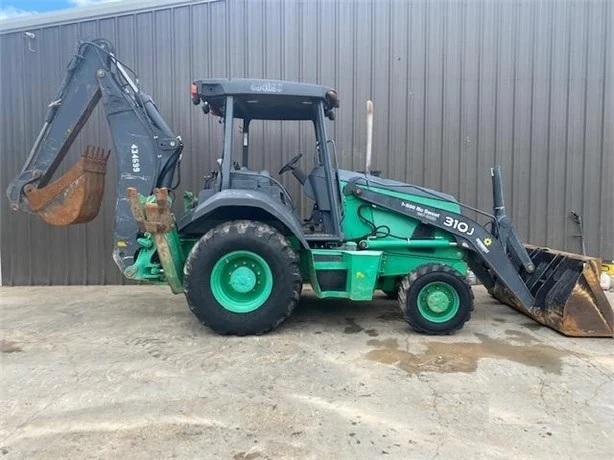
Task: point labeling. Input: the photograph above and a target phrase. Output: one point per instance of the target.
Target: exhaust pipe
(369, 137)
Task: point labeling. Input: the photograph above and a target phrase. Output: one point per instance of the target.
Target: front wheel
(435, 299)
(242, 278)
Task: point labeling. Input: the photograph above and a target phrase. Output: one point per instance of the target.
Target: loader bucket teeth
(567, 294)
(75, 197)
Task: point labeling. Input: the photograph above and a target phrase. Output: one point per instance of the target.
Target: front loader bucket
(75, 197)
(567, 294)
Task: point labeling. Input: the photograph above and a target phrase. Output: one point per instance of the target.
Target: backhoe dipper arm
(147, 150)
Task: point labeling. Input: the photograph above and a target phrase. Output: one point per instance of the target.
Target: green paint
(295, 243)
(400, 263)
(241, 281)
(354, 228)
(385, 258)
(399, 255)
(187, 244)
(379, 264)
(408, 244)
(362, 269)
(169, 249)
(143, 269)
(438, 302)
(171, 257)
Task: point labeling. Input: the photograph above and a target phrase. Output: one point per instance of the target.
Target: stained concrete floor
(128, 372)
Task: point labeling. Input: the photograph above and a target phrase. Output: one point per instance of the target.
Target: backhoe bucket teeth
(568, 297)
(75, 197)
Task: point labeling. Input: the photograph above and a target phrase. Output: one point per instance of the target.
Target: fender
(237, 204)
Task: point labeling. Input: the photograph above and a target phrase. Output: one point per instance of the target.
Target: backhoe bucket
(568, 297)
(75, 197)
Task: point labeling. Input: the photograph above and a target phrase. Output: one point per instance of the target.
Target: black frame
(330, 167)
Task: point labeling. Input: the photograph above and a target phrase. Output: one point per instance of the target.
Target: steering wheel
(289, 166)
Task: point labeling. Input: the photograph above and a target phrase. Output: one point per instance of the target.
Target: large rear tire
(435, 299)
(242, 278)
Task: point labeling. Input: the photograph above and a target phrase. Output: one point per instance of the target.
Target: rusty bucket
(568, 297)
(75, 197)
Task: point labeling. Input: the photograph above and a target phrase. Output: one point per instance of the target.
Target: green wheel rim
(241, 281)
(438, 302)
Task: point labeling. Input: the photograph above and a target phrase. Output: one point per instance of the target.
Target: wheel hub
(243, 279)
(438, 301)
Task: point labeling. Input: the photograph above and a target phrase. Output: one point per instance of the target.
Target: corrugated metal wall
(457, 86)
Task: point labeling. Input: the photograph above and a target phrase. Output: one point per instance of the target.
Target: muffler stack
(568, 297)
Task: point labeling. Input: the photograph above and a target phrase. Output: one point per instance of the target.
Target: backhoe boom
(147, 150)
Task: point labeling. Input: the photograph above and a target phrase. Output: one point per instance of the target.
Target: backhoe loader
(240, 253)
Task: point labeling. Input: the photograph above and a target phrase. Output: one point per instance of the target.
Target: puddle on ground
(391, 316)
(353, 328)
(520, 336)
(386, 343)
(9, 347)
(452, 357)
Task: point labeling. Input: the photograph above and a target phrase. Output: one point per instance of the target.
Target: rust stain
(455, 357)
(575, 305)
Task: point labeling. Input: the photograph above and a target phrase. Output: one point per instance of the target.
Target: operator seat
(316, 188)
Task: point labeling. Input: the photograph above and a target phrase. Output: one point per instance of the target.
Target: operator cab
(248, 100)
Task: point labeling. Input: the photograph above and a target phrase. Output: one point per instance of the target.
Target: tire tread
(279, 244)
(409, 280)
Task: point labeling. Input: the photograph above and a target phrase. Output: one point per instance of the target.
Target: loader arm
(469, 234)
(557, 289)
(147, 150)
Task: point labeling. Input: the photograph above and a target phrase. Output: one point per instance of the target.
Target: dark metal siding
(457, 86)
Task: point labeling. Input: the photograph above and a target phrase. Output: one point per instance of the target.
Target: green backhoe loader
(241, 253)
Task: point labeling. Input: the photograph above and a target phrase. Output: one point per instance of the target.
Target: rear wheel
(435, 299)
(242, 278)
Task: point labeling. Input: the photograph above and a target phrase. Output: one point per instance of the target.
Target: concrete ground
(128, 372)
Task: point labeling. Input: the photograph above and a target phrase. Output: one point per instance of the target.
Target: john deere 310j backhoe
(241, 254)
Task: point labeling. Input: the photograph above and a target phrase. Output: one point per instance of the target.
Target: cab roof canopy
(265, 99)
